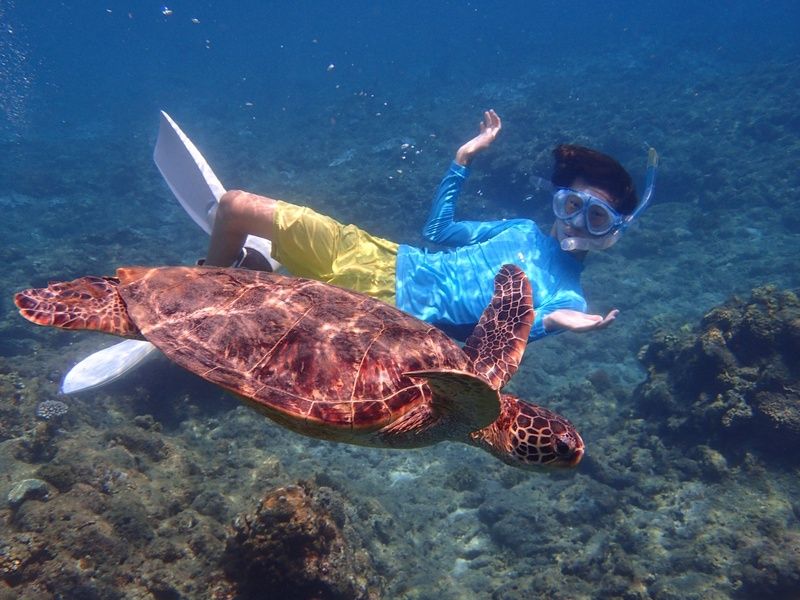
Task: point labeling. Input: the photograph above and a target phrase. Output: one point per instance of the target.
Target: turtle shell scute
(297, 349)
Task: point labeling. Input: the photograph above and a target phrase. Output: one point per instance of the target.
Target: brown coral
(735, 379)
(293, 546)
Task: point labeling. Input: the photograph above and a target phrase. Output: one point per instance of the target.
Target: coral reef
(128, 511)
(51, 410)
(293, 547)
(735, 382)
(142, 507)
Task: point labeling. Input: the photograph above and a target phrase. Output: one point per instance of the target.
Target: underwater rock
(16, 553)
(129, 520)
(293, 546)
(27, 489)
(711, 463)
(139, 442)
(39, 443)
(211, 503)
(60, 475)
(72, 552)
(17, 396)
(147, 422)
(735, 381)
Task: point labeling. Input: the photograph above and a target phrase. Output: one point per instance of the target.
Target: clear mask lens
(598, 218)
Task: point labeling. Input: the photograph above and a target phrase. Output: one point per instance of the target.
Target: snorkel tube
(611, 238)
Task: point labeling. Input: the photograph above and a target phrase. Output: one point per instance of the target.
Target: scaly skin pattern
(498, 341)
(527, 435)
(87, 303)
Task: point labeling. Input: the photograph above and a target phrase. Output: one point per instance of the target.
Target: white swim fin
(194, 184)
(198, 190)
(106, 365)
(187, 173)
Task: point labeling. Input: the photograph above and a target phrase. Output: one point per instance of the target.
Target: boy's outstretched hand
(490, 127)
(577, 321)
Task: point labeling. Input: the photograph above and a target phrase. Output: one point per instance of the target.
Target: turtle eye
(563, 448)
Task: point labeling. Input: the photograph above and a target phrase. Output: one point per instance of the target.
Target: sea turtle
(327, 362)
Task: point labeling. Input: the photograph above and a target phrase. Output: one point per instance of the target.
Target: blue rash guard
(450, 289)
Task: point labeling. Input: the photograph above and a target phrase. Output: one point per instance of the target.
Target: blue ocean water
(356, 109)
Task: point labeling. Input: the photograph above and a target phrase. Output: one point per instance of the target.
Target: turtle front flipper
(87, 303)
(498, 341)
(466, 397)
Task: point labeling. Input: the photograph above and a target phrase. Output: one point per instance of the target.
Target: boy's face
(563, 229)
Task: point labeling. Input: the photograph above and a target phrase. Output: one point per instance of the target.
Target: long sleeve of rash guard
(440, 227)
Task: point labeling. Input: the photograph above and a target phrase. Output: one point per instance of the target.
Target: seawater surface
(689, 404)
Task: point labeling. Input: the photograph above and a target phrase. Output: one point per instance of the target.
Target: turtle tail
(90, 303)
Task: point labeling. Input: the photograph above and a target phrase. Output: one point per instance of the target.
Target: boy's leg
(312, 245)
(239, 214)
(306, 243)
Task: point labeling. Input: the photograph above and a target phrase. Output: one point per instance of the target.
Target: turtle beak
(578, 451)
(576, 457)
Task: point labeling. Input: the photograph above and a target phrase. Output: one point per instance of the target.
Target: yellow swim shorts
(312, 245)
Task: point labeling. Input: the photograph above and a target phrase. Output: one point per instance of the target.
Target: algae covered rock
(27, 489)
(735, 380)
(17, 552)
(294, 546)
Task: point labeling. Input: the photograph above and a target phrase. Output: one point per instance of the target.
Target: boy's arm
(489, 129)
(440, 226)
(577, 321)
(551, 320)
(565, 310)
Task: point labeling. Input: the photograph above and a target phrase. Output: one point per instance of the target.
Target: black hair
(596, 169)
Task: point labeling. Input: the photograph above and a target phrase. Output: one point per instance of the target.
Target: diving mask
(596, 217)
(582, 210)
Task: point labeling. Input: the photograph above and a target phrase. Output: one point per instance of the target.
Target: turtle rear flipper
(498, 341)
(91, 303)
(467, 397)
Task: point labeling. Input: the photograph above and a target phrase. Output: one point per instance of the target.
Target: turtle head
(530, 437)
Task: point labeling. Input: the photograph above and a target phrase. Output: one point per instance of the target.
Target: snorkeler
(594, 202)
